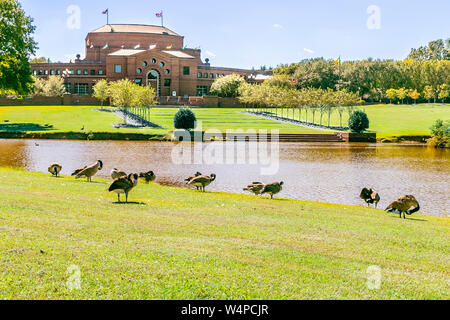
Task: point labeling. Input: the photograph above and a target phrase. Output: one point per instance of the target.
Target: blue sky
(249, 33)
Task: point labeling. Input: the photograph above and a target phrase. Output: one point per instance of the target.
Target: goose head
(213, 177)
(100, 164)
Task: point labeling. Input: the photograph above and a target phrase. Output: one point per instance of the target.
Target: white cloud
(209, 53)
(308, 50)
(278, 26)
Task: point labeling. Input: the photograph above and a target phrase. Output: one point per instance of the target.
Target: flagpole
(107, 17)
(162, 19)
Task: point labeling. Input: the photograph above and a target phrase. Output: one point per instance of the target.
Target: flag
(169, 47)
(106, 11)
(122, 46)
(137, 46)
(106, 46)
(159, 14)
(91, 46)
(184, 48)
(338, 60)
(152, 46)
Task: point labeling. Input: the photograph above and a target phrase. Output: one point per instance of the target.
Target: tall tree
(16, 47)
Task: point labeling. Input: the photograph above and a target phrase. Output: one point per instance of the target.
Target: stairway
(285, 137)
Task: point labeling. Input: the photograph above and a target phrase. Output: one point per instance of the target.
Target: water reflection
(320, 172)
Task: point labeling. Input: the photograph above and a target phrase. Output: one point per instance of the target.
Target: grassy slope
(178, 243)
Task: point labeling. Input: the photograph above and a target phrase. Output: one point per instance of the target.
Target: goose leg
(126, 196)
(118, 197)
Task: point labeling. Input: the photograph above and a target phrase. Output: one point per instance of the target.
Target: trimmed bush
(358, 121)
(184, 119)
(441, 134)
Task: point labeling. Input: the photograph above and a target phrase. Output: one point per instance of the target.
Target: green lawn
(385, 120)
(181, 244)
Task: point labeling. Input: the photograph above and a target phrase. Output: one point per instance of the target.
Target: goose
(124, 185)
(115, 173)
(255, 187)
(202, 181)
(403, 205)
(147, 176)
(190, 178)
(55, 169)
(370, 197)
(272, 188)
(78, 171)
(90, 171)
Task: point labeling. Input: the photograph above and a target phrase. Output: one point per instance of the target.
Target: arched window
(167, 71)
(138, 70)
(153, 75)
(144, 64)
(162, 64)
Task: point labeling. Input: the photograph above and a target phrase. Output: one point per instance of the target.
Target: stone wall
(67, 100)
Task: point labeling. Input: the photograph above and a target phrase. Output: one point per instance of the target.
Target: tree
(436, 50)
(358, 122)
(185, 119)
(391, 94)
(40, 60)
(101, 90)
(227, 86)
(413, 94)
(54, 86)
(402, 93)
(429, 93)
(144, 96)
(441, 134)
(16, 47)
(121, 93)
(443, 92)
(38, 86)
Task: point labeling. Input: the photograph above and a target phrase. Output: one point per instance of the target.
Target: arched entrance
(154, 80)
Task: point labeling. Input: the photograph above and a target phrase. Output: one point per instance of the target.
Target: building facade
(146, 54)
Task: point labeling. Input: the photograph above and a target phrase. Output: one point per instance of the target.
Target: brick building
(146, 54)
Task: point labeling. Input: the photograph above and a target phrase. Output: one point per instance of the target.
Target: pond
(333, 173)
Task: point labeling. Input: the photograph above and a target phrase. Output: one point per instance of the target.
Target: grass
(181, 244)
(386, 120)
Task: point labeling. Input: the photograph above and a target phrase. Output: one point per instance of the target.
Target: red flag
(106, 11)
(159, 14)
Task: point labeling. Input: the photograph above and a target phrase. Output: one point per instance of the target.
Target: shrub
(441, 134)
(227, 86)
(184, 119)
(358, 121)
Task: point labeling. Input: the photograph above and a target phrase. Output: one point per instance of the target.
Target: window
(138, 70)
(58, 72)
(118, 68)
(138, 81)
(81, 88)
(78, 72)
(46, 72)
(144, 64)
(100, 72)
(34, 72)
(153, 75)
(68, 87)
(205, 75)
(217, 75)
(71, 71)
(167, 71)
(199, 75)
(167, 82)
(153, 60)
(92, 72)
(211, 75)
(52, 72)
(186, 71)
(40, 72)
(85, 72)
(162, 64)
(202, 91)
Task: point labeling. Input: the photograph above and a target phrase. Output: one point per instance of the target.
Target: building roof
(125, 52)
(135, 28)
(179, 54)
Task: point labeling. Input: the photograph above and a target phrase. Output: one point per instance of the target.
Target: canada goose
(255, 187)
(370, 196)
(202, 181)
(55, 169)
(272, 188)
(403, 205)
(190, 178)
(90, 171)
(115, 173)
(124, 185)
(147, 176)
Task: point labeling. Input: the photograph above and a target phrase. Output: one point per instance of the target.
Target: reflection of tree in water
(13, 153)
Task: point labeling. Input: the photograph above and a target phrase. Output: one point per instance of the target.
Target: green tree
(391, 94)
(441, 134)
(185, 119)
(227, 86)
(54, 86)
(429, 93)
(414, 94)
(358, 122)
(16, 47)
(101, 90)
(40, 60)
(443, 92)
(402, 93)
(144, 97)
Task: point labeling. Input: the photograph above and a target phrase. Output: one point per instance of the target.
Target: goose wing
(77, 171)
(121, 184)
(200, 179)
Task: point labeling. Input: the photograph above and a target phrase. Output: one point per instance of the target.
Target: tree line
(375, 80)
